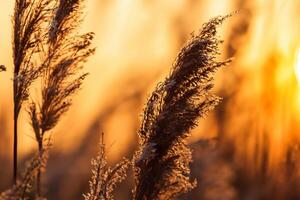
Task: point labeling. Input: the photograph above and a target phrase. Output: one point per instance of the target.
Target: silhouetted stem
(39, 172)
(15, 145)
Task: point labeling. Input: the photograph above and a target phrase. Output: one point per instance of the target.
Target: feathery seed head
(162, 162)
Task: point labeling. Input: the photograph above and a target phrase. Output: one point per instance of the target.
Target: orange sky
(141, 38)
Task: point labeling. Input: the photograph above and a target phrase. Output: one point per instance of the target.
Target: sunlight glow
(297, 66)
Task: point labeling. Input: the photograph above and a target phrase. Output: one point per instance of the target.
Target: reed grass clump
(46, 46)
(66, 53)
(30, 21)
(161, 164)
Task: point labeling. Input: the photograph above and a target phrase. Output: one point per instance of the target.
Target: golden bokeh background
(137, 42)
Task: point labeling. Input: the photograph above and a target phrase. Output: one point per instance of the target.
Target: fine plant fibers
(161, 164)
(66, 53)
(29, 22)
(104, 179)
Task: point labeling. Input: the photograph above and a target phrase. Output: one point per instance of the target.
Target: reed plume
(29, 23)
(161, 164)
(104, 179)
(65, 56)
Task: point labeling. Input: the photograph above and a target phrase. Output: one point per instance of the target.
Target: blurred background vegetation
(245, 149)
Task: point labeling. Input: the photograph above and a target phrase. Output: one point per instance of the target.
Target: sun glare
(297, 66)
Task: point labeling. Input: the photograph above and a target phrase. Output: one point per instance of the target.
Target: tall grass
(66, 53)
(29, 21)
(46, 46)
